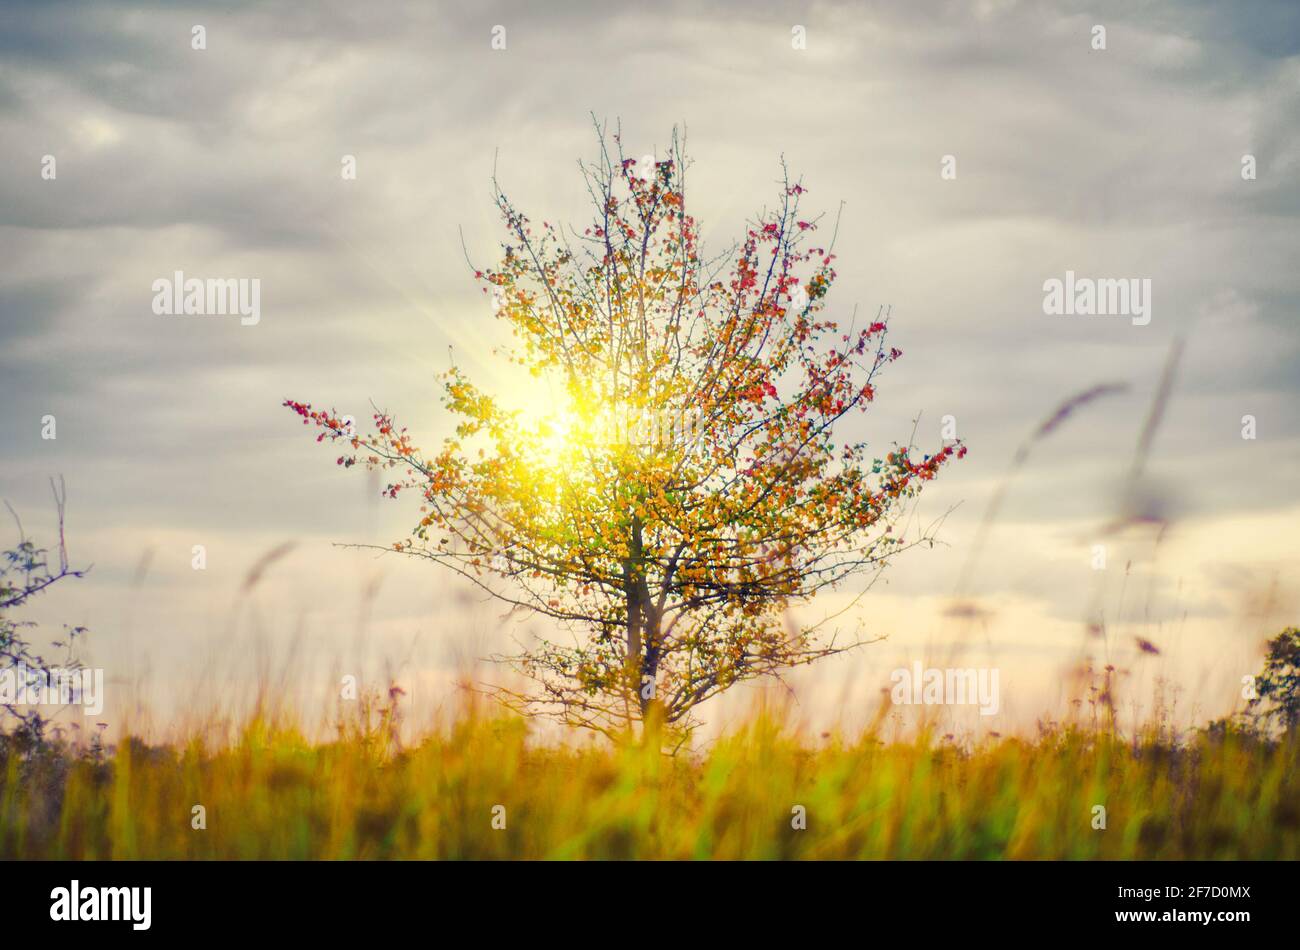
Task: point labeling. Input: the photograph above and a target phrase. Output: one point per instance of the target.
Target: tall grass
(268, 791)
(272, 794)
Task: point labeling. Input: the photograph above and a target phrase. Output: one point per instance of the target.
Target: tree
(1278, 685)
(690, 489)
(25, 571)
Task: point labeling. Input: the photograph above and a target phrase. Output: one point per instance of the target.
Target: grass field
(269, 793)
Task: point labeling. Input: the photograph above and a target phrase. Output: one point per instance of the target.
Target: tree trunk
(632, 582)
(643, 647)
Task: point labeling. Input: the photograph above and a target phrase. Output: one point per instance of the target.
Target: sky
(1117, 163)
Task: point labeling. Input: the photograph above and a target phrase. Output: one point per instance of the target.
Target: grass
(269, 793)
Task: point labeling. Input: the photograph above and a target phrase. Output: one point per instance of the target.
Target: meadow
(480, 788)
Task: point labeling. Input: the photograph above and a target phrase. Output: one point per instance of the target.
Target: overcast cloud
(225, 162)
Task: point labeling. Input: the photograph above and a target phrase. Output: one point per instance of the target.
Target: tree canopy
(692, 489)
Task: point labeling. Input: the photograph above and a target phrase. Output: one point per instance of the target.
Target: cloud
(226, 162)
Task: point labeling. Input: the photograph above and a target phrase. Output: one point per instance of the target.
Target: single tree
(691, 487)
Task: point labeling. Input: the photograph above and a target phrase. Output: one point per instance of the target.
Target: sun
(555, 428)
(566, 430)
